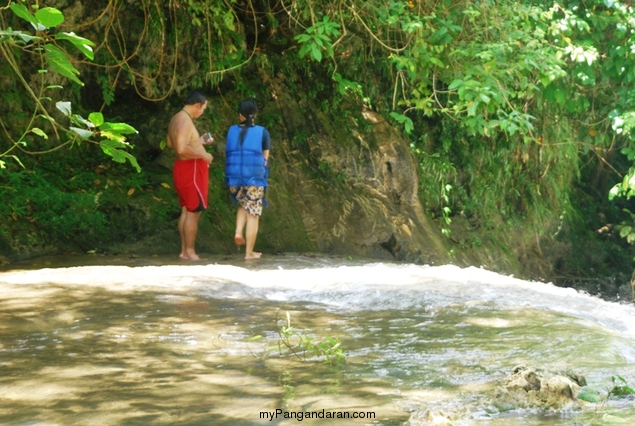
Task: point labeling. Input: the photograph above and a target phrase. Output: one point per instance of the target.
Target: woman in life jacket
(246, 173)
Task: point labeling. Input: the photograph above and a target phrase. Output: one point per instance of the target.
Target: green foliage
(112, 134)
(68, 218)
(318, 39)
(348, 87)
(53, 57)
(77, 209)
(437, 173)
(513, 95)
(626, 189)
(470, 79)
(45, 19)
(403, 120)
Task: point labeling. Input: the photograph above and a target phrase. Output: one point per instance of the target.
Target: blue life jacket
(245, 164)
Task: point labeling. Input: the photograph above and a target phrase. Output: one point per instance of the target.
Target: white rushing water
(348, 288)
(428, 344)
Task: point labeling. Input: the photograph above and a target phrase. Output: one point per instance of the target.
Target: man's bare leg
(241, 218)
(251, 234)
(181, 227)
(190, 228)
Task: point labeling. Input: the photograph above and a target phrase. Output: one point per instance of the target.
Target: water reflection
(172, 344)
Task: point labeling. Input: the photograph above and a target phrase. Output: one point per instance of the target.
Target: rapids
(114, 340)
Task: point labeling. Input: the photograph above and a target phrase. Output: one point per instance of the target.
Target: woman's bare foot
(239, 240)
(253, 255)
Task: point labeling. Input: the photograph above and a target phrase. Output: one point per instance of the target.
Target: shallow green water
(113, 345)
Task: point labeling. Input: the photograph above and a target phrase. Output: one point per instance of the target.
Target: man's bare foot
(193, 257)
(253, 255)
(239, 240)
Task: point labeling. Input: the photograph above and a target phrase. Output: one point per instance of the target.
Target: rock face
(352, 188)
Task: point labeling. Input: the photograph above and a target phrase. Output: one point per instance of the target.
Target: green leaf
(625, 231)
(82, 44)
(49, 17)
(81, 121)
(617, 378)
(40, 132)
(436, 61)
(455, 84)
(83, 133)
(25, 37)
(302, 38)
(471, 110)
(111, 148)
(122, 128)
(47, 117)
(614, 192)
(316, 53)
(113, 143)
(15, 158)
(21, 11)
(590, 395)
(622, 390)
(408, 125)
(113, 136)
(304, 50)
(97, 118)
(58, 61)
(65, 107)
(406, 121)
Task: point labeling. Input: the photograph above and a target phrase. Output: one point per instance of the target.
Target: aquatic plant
(301, 344)
(620, 388)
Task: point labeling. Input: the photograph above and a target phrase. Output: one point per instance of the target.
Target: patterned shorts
(249, 197)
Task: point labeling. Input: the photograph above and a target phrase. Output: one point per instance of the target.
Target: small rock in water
(528, 387)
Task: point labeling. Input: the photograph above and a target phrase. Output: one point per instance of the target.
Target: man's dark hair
(196, 97)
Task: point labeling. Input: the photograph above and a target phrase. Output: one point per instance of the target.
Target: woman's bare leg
(252, 233)
(241, 217)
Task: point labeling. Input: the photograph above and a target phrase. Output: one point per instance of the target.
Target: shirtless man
(191, 169)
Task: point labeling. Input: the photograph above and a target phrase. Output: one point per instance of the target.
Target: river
(107, 340)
